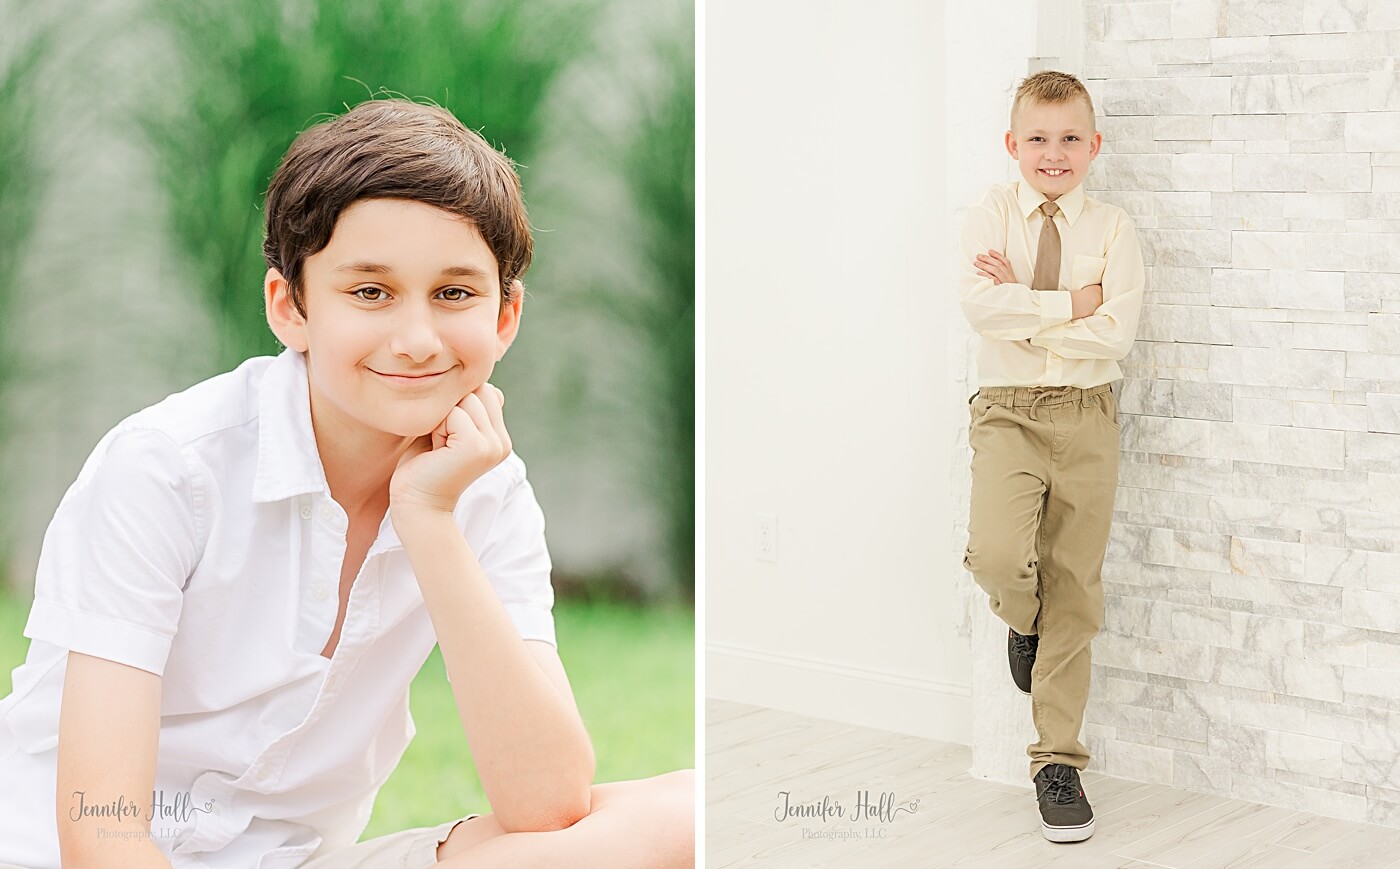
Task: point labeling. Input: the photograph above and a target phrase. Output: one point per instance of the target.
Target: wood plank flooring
(755, 754)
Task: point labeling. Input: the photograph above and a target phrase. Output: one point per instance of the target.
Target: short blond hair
(1050, 86)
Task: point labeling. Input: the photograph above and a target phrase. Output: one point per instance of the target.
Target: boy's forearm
(1012, 312)
(131, 854)
(531, 750)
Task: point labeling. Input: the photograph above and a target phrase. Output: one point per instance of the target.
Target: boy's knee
(997, 568)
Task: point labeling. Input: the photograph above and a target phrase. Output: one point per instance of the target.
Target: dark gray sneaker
(1020, 651)
(1065, 813)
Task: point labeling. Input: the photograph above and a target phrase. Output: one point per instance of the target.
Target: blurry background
(138, 140)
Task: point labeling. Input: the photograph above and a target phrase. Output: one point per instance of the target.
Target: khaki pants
(1044, 471)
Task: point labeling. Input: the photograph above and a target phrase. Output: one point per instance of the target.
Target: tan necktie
(1047, 255)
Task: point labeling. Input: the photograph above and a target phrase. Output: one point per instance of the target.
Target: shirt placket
(327, 543)
(326, 526)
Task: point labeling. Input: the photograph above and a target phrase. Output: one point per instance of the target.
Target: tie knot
(1049, 208)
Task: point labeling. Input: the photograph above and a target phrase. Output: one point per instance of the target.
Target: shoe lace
(1061, 787)
(1024, 645)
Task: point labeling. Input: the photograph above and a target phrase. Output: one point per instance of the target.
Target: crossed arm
(1098, 321)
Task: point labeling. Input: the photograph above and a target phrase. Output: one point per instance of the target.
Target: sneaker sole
(1068, 834)
(1022, 690)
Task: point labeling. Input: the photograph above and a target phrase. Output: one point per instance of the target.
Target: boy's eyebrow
(378, 269)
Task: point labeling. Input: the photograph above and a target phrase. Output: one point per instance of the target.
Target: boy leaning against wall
(1053, 282)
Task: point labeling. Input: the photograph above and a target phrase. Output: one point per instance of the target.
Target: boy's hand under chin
(471, 440)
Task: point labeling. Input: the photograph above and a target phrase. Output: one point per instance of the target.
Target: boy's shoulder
(224, 401)
(1001, 197)
(207, 425)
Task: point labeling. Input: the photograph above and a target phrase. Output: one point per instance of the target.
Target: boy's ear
(1094, 144)
(508, 324)
(1011, 144)
(282, 317)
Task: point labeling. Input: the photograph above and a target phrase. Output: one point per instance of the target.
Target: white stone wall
(1252, 640)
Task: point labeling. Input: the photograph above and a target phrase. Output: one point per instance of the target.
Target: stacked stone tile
(1252, 646)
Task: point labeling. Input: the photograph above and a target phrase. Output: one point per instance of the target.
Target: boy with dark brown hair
(234, 596)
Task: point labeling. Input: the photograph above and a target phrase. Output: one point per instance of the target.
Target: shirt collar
(1071, 204)
(288, 461)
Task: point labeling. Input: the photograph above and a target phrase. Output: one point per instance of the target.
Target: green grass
(632, 672)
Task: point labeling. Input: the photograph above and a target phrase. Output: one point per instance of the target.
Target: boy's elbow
(547, 818)
(971, 315)
(1120, 349)
(563, 807)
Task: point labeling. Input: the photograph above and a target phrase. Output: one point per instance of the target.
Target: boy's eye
(462, 294)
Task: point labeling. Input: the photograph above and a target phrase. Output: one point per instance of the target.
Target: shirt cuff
(100, 636)
(532, 622)
(1056, 307)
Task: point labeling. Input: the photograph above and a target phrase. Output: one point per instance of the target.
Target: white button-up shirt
(200, 542)
(1028, 338)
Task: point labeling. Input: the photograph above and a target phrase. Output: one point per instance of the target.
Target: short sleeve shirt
(200, 542)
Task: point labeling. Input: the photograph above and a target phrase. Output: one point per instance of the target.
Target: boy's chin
(410, 425)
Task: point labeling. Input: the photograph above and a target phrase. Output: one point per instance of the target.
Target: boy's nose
(416, 338)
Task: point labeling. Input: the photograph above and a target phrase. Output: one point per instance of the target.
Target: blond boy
(1053, 282)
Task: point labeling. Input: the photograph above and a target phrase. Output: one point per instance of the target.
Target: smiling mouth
(409, 379)
(1055, 173)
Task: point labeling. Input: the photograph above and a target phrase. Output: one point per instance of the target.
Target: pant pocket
(1108, 406)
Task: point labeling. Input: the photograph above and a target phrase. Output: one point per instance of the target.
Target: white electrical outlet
(767, 537)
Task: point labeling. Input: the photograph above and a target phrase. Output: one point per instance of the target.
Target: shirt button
(306, 511)
(320, 591)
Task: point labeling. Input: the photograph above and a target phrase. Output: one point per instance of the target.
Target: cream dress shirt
(200, 542)
(1028, 338)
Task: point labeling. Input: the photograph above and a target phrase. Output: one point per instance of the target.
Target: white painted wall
(982, 77)
(827, 365)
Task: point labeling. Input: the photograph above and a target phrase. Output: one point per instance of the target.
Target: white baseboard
(870, 698)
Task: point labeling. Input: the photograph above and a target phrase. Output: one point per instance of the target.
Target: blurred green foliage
(256, 73)
(656, 162)
(24, 45)
(237, 82)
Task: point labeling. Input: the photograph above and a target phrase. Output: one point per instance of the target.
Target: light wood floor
(753, 754)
